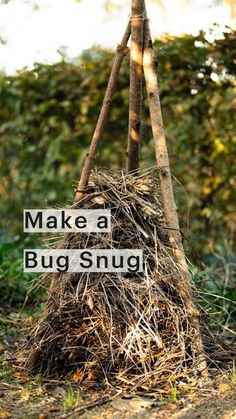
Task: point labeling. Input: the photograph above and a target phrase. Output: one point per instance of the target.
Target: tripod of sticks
(143, 61)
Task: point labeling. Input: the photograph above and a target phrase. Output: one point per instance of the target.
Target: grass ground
(27, 397)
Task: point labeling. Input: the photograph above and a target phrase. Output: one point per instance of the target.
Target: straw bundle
(129, 329)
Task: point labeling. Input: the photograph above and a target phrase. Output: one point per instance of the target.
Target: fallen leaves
(89, 379)
(78, 376)
(20, 375)
(223, 387)
(5, 415)
(169, 406)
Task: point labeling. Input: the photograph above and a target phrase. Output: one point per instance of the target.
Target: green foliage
(5, 371)
(217, 288)
(72, 398)
(48, 114)
(14, 283)
(174, 393)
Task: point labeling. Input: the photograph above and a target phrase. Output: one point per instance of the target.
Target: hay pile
(129, 329)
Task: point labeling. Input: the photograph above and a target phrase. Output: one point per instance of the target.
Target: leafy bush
(217, 287)
(14, 283)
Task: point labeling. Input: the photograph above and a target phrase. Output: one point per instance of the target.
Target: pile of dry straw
(128, 329)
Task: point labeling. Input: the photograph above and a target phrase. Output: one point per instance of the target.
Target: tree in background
(47, 116)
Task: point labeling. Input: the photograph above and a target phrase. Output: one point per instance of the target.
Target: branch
(85, 173)
(184, 285)
(136, 62)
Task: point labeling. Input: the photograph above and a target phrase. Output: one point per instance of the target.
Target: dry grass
(129, 329)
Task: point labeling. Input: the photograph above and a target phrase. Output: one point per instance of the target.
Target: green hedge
(47, 116)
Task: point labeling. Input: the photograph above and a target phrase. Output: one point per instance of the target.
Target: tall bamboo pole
(135, 104)
(184, 286)
(85, 173)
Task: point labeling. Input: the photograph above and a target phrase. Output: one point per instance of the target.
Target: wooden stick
(85, 173)
(162, 158)
(135, 104)
(169, 206)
